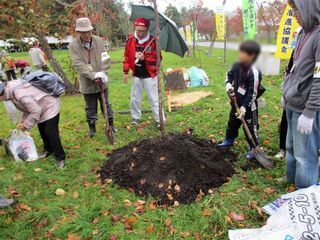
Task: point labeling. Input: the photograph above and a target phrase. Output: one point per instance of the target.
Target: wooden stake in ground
(158, 49)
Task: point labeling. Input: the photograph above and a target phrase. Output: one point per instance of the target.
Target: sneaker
(60, 164)
(281, 154)
(226, 143)
(135, 122)
(44, 155)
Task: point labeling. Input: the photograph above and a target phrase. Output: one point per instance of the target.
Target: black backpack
(48, 82)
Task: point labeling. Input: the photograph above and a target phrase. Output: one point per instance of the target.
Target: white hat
(83, 25)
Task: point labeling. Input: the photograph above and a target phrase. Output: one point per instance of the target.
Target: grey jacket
(86, 67)
(301, 88)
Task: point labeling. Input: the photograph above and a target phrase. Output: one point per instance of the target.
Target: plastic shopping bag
(22, 146)
(12, 111)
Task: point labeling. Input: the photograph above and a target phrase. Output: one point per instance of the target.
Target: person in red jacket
(141, 58)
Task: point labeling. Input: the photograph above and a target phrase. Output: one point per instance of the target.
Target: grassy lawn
(85, 211)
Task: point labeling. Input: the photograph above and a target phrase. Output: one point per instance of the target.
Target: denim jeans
(302, 152)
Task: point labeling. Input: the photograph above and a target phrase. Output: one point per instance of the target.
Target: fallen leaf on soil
(73, 237)
(108, 181)
(176, 203)
(37, 169)
(134, 149)
(236, 217)
(169, 196)
(95, 221)
(116, 218)
(43, 223)
(60, 192)
(162, 158)
(160, 185)
(75, 195)
(185, 234)
(206, 212)
(177, 188)
(152, 205)
(142, 181)
(113, 237)
(150, 229)
(269, 190)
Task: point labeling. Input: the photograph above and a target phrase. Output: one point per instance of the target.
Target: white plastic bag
(22, 146)
(12, 111)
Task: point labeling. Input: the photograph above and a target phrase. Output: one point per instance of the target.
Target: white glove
(242, 113)
(283, 103)
(304, 125)
(102, 76)
(229, 87)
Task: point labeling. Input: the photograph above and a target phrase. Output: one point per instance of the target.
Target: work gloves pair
(242, 111)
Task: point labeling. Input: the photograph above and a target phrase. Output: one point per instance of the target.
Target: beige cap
(83, 25)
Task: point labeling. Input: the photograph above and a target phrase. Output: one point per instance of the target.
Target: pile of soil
(175, 169)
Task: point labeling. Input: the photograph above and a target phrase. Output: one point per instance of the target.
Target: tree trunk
(70, 88)
(194, 38)
(157, 27)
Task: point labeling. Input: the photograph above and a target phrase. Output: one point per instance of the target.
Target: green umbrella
(170, 38)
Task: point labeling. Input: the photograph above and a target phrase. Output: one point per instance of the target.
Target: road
(234, 46)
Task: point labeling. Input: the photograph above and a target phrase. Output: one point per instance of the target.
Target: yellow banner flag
(220, 26)
(287, 29)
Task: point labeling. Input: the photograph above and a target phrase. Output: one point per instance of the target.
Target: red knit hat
(142, 22)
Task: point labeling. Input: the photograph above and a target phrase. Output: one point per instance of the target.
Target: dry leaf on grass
(43, 223)
(131, 219)
(73, 237)
(75, 195)
(128, 226)
(37, 169)
(206, 212)
(185, 234)
(152, 205)
(269, 190)
(95, 221)
(116, 218)
(236, 217)
(113, 237)
(2, 168)
(127, 203)
(168, 222)
(60, 192)
(150, 229)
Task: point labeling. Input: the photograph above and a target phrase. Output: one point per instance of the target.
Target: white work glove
(242, 113)
(283, 103)
(304, 125)
(102, 76)
(229, 87)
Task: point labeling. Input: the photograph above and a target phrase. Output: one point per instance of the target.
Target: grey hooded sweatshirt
(301, 88)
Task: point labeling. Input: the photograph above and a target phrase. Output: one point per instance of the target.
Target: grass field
(85, 210)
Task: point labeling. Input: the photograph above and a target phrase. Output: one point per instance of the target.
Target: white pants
(151, 87)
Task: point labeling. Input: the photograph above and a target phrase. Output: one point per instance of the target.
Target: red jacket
(150, 56)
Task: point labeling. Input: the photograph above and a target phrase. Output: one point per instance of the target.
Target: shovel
(108, 130)
(257, 152)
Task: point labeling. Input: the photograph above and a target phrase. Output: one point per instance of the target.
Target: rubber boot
(111, 123)
(226, 143)
(92, 128)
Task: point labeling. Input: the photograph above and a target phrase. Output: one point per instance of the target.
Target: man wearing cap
(91, 61)
(141, 58)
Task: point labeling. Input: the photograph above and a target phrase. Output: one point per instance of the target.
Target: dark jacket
(301, 88)
(249, 79)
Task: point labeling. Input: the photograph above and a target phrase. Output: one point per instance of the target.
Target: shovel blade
(110, 135)
(263, 158)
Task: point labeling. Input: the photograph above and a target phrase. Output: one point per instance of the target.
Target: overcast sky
(211, 4)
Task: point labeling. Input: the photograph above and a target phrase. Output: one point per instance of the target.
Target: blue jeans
(302, 152)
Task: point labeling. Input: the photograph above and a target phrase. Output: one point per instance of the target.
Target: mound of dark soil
(175, 168)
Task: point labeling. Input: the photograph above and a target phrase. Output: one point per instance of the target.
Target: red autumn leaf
(116, 218)
(128, 226)
(113, 237)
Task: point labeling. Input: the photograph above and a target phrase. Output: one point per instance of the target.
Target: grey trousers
(91, 107)
(151, 87)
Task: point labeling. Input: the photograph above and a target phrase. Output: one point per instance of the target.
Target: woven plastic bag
(22, 147)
